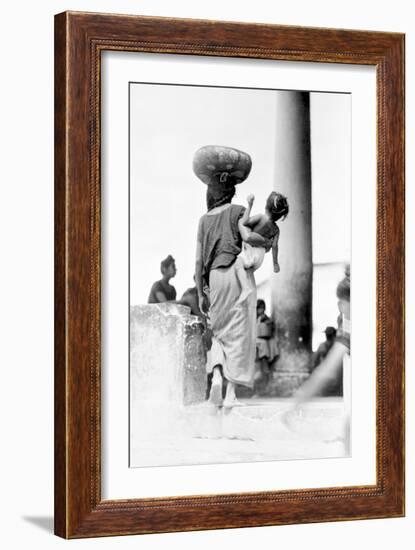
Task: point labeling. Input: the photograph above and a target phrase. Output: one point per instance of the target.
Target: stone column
(292, 287)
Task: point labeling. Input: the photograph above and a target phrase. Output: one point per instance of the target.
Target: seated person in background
(163, 291)
(190, 298)
(324, 347)
(266, 348)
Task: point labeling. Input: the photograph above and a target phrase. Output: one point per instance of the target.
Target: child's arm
(275, 253)
(244, 219)
(253, 220)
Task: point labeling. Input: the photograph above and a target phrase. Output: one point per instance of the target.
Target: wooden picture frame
(79, 40)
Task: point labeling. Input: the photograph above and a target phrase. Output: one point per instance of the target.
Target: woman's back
(219, 237)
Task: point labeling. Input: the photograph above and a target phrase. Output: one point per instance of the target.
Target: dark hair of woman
(216, 195)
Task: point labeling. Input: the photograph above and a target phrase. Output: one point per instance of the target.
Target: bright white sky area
(330, 120)
(169, 123)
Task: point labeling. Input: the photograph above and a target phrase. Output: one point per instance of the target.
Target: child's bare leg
(242, 276)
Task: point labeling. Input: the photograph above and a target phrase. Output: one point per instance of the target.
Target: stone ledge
(167, 356)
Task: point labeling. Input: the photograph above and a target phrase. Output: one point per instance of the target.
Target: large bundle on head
(219, 165)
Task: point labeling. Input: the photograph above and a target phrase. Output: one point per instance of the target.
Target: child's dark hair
(277, 206)
(343, 288)
(260, 303)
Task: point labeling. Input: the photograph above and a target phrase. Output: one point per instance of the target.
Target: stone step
(252, 431)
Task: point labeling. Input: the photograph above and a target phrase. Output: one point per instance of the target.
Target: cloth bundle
(220, 165)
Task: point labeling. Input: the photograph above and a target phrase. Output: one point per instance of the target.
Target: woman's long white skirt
(233, 323)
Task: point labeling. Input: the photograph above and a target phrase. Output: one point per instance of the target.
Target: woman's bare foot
(230, 397)
(215, 396)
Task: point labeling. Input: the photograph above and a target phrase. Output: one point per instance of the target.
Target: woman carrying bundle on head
(232, 315)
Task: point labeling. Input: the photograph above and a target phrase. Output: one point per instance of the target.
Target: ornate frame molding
(79, 40)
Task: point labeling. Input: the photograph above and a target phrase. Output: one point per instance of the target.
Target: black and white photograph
(207, 221)
(239, 282)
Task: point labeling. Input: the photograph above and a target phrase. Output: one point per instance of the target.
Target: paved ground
(254, 431)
